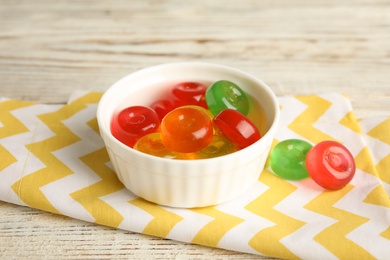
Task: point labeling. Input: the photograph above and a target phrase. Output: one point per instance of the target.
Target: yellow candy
(151, 144)
(219, 146)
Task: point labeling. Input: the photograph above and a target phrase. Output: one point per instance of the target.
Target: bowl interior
(147, 85)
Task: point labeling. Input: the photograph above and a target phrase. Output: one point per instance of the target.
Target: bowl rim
(106, 95)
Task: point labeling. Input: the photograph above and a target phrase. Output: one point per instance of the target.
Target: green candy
(287, 159)
(225, 94)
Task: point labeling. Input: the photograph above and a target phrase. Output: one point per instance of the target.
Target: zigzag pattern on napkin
(380, 130)
(218, 227)
(284, 225)
(89, 196)
(345, 222)
(28, 129)
(378, 133)
(66, 170)
(252, 223)
(10, 125)
(44, 150)
(350, 136)
(318, 120)
(304, 124)
(163, 220)
(6, 158)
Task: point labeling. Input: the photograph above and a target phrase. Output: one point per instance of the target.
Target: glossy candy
(236, 127)
(181, 94)
(190, 93)
(225, 94)
(152, 144)
(132, 123)
(162, 107)
(207, 112)
(219, 146)
(287, 159)
(331, 165)
(186, 130)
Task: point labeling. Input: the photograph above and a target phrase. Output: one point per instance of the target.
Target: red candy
(162, 107)
(185, 93)
(237, 128)
(132, 123)
(190, 93)
(186, 130)
(331, 165)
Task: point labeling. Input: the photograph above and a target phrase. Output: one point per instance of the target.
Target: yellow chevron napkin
(52, 158)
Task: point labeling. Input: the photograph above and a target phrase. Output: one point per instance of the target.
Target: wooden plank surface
(50, 48)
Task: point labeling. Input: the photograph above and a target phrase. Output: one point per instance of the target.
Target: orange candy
(186, 130)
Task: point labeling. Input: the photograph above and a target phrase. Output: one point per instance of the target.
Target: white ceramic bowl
(185, 183)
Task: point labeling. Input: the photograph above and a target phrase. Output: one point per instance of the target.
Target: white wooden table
(50, 48)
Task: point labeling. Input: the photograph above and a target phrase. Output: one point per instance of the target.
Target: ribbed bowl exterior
(204, 183)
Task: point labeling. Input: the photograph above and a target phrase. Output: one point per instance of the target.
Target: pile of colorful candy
(193, 121)
(329, 163)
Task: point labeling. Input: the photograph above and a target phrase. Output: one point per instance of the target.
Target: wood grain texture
(50, 48)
